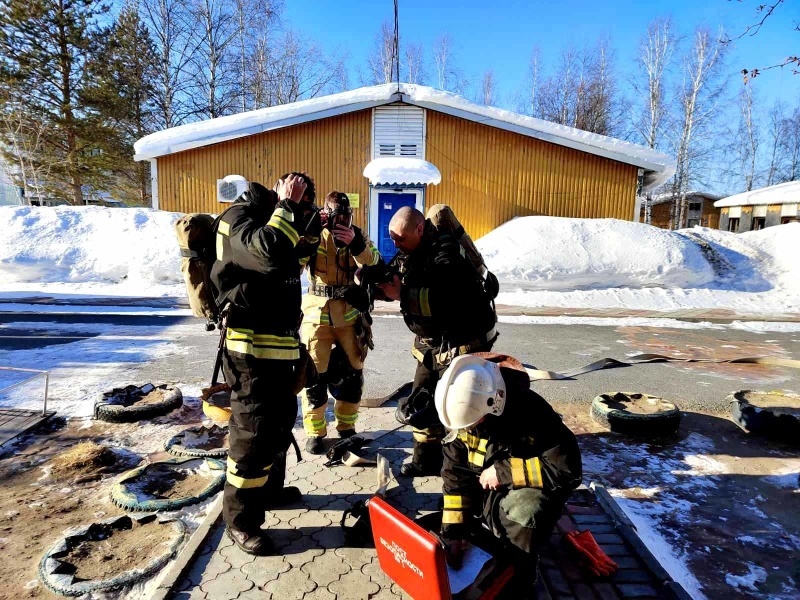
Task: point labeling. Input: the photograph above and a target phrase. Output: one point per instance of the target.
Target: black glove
(358, 244)
(357, 297)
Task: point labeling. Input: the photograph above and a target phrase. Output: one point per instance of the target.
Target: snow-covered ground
(95, 252)
(606, 263)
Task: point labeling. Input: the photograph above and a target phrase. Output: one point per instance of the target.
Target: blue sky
(500, 35)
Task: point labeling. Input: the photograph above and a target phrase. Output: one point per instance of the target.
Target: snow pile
(550, 253)
(575, 263)
(90, 249)
(400, 170)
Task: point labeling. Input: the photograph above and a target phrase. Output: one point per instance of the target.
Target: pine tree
(122, 98)
(45, 47)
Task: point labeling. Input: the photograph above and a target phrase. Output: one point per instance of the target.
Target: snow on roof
(402, 170)
(658, 167)
(667, 196)
(783, 193)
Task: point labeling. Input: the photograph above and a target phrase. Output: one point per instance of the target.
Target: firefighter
(444, 302)
(329, 319)
(257, 276)
(508, 458)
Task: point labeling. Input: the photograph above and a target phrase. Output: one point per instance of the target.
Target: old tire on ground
(56, 576)
(754, 415)
(123, 493)
(177, 446)
(613, 410)
(120, 405)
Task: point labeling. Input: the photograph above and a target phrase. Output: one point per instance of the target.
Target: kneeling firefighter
(509, 460)
(329, 318)
(260, 241)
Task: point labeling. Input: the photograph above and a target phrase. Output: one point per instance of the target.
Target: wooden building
(398, 144)
(757, 209)
(700, 210)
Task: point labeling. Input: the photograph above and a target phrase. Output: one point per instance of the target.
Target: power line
(397, 43)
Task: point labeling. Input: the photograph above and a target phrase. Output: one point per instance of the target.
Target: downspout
(154, 183)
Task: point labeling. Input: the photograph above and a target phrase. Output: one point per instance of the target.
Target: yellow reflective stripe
(286, 341)
(244, 483)
(534, 471)
(454, 502)
(450, 517)
(518, 473)
(476, 458)
(351, 315)
(283, 214)
(419, 356)
(265, 352)
(220, 247)
(313, 424)
(346, 419)
(420, 436)
(286, 228)
(376, 256)
(482, 445)
(322, 250)
(424, 305)
(224, 228)
(304, 261)
(240, 330)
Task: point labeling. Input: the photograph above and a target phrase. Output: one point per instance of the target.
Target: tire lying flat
(125, 494)
(616, 411)
(55, 573)
(180, 444)
(121, 405)
(773, 415)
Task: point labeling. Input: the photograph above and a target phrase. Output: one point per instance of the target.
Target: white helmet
(469, 389)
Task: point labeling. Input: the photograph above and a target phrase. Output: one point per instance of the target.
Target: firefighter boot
(315, 401)
(428, 458)
(256, 543)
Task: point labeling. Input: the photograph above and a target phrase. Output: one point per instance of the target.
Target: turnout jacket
(528, 445)
(257, 274)
(335, 268)
(442, 297)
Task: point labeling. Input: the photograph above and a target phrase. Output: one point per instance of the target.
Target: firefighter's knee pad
(523, 507)
(351, 387)
(317, 394)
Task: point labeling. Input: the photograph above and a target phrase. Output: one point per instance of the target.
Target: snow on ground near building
(547, 261)
(91, 252)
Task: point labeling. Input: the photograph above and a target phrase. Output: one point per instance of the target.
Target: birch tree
(697, 98)
(776, 131)
(448, 76)
(382, 59)
(790, 145)
(415, 63)
(487, 95)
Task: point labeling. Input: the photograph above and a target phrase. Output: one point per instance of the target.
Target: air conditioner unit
(230, 188)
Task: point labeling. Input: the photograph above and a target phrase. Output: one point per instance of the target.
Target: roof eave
(279, 124)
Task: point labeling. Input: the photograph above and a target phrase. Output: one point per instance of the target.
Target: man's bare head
(406, 228)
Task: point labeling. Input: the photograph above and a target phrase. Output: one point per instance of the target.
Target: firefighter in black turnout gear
(260, 242)
(444, 302)
(509, 460)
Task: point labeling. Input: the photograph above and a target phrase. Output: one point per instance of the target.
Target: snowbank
(550, 253)
(89, 250)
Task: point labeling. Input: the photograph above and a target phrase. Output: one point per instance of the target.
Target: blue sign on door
(388, 204)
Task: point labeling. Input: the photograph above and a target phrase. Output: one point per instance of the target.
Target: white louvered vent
(398, 131)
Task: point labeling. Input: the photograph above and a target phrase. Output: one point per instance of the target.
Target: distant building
(757, 209)
(397, 145)
(10, 195)
(700, 210)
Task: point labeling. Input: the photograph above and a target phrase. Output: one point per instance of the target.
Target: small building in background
(757, 209)
(700, 210)
(395, 145)
(11, 195)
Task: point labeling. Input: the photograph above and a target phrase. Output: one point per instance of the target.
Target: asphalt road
(552, 347)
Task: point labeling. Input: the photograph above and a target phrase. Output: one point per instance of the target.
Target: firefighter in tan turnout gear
(260, 241)
(329, 319)
(509, 460)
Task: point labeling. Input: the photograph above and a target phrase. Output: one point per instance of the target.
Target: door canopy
(401, 170)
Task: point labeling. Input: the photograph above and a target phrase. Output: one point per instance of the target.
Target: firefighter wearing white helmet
(509, 460)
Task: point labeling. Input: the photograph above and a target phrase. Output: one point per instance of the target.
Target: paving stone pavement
(315, 565)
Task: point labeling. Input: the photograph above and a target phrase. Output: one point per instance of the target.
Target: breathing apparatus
(340, 214)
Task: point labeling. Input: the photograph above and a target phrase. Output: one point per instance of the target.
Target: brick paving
(315, 564)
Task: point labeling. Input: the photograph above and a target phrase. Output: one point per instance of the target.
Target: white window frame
(374, 209)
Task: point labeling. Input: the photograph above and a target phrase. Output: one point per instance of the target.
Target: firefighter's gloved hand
(590, 554)
(455, 553)
(357, 297)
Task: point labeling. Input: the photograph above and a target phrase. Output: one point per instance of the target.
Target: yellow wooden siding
(333, 151)
(490, 175)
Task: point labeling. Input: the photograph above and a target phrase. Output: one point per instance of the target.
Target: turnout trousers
(428, 441)
(340, 371)
(263, 412)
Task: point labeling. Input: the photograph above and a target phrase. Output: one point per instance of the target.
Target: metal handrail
(19, 383)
